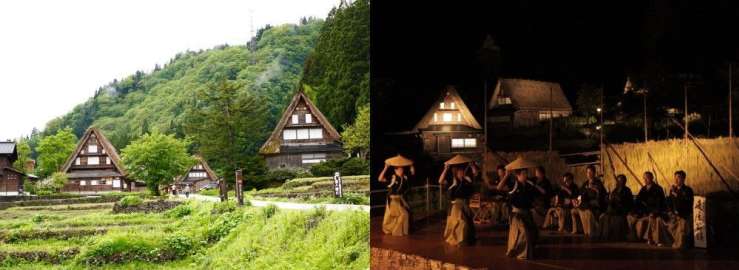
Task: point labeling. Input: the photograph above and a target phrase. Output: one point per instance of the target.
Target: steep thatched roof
(449, 94)
(531, 95)
(200, 160)
(103, 141)
(272, 145)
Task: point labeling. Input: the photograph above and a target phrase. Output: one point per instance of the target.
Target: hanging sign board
(699, 222)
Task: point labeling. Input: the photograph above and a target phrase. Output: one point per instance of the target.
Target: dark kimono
(499, 208)
(613, 224)
(680, 224)
(522, 233)
(396, 220)
(460, 230)
(648, 206)
(559, 214)
(593, 197)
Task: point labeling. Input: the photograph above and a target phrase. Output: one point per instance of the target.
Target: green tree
(54, 150)
(227, 125)
(338, 67)
(24, 155)
(356, 136)
(156, 159)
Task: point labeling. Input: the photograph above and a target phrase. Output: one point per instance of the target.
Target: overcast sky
(55, 54)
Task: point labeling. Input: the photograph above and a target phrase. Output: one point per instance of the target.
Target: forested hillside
(140, 103)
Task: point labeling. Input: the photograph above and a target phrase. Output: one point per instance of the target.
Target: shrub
(222, 226)
(352, 198)
(269, 211)
(355, 166)
(181, 210)
(180, 245)
(223, 207)
(326, 168)
(119, 249)
(130, 200)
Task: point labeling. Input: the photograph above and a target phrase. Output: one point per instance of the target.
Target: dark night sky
(419, 48)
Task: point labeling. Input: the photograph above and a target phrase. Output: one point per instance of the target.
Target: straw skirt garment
(460, 230)
(396, 217)
(522, 235)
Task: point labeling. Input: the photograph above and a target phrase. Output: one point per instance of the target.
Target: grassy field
(195, 235)
(317, 190)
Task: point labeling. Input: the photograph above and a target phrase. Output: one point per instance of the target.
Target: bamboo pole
(624, 163)
(705, 156)
(654, 165)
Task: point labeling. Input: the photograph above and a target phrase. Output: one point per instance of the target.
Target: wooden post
(646, 137)
(731, 115)
(624, 163)
(224, 190)
(239, 187)
(685, 93)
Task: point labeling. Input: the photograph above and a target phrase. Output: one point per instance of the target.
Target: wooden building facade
(449, 128)
(11, 179)
(302, 138)
(198, 177)
(95, 166)
(524, 103)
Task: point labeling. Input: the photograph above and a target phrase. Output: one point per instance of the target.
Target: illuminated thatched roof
(530, 95)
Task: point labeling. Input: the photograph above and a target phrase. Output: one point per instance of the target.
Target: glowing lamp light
(598, 109)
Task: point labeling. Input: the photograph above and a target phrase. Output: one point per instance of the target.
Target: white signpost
(699, 222)
(338, 192)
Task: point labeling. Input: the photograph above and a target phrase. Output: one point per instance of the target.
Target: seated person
(648, 206)
(500, 209)
(559, 214)
(680, 206)
(613, 222)
(589, 205)
(542, 202)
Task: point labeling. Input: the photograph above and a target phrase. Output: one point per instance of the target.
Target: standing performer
(460, 229)
(522, 233)
(613, 222)
(397, 212)
(543, 201)
(589, 205)
(648, 206)
(681, 212)
(559, 214)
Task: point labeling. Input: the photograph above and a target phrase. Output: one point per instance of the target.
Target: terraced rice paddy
(194, 235)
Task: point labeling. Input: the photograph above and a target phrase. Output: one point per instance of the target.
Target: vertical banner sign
(699, 222)
(337, 185)
(239, 187)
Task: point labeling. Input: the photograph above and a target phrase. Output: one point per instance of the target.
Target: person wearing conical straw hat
(460, 229)
(522, 232)
(397, 212)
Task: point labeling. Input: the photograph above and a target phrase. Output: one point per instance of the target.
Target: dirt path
(286, 205)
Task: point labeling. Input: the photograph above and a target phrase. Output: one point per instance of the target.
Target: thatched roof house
(198, 176)
(302, 137)
(449, 128)
(523, 102)
(95, 165)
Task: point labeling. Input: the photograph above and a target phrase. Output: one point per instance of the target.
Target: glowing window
(459, 117)
(470, 143)
(436, 117)
(441, 105)
(451, 105)
(446, 117)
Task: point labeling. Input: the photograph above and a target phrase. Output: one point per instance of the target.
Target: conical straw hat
(458, 159)
(521, 163)
(399, 161)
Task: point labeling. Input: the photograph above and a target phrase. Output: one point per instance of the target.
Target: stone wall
(394, 260)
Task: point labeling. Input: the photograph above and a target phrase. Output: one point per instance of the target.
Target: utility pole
(685, 93)
(644, 95)
(551, 120)
(731, 115)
